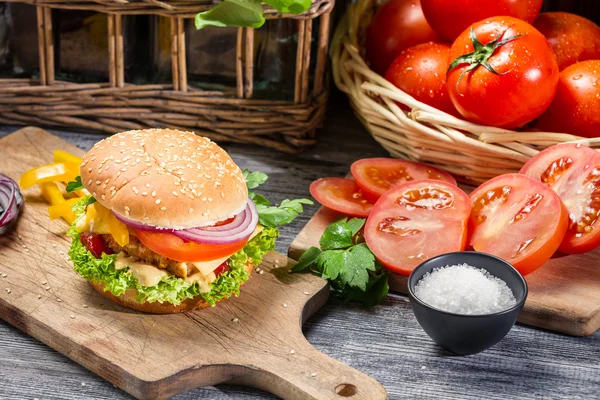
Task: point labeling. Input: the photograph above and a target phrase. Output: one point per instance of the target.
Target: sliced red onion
(240, 228)
(11, 202)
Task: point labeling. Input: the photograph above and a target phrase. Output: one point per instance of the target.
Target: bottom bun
(128, 300)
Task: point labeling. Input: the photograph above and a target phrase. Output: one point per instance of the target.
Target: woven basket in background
(473, 153)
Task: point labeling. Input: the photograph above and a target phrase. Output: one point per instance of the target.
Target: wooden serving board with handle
(255, 339)
(564, 294)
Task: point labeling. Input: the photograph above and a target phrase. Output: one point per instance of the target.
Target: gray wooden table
(385, 341)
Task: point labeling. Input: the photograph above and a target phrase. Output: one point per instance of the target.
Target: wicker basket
(236, 115)
(472, 152)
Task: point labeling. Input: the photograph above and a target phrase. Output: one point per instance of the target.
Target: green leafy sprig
(269, 215)
(77, 185)
(347, 263)
(246, 13)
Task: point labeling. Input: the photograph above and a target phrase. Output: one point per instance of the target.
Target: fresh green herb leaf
(240, 13)
(89, 200)
(259, 199)
(356, 224)
(246, 13)
(285, 213)
(254, 179)
(271, 216)
(337, 235)
(307, 259)
(74, 185)
(289, 6)
(351, 269)
(359, 260)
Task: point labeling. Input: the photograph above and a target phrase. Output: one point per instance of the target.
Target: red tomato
(420, 71)
(572, 37)
(341, 195)
(94, 244)
(526, 73)
(375, 176)
(576, 107)
(175, 248)
(573, 172)
(221, 269)
(518, 219)
(450, 18)
(397, 25)
(415, 221)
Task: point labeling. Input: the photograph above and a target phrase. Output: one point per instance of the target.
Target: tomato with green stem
(502, 73)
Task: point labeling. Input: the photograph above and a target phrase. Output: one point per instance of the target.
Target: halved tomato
(375, 176)
(175, 248)
(341, 195)
(415, 221)
(518, 219)
(573, 172)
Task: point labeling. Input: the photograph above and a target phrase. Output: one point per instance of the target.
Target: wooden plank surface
(254, 339)
(564, 294)
(384, 341)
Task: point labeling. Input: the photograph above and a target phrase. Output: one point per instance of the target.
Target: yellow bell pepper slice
(63, 156)
(116, 228)
(63, 210)
(52, 193)
(64, 172)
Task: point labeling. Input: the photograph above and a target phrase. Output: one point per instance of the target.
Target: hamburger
(169, 224)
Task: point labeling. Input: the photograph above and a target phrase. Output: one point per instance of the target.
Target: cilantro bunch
(347, 263)
(269, 215)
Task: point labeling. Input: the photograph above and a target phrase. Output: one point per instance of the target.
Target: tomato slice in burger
(415, 221)
(573, 172)
(518, 219)
(175, 248)
(341, 195)
(375, 176)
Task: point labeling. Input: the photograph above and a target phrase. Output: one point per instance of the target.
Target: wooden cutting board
(564, 294)
(255, 339)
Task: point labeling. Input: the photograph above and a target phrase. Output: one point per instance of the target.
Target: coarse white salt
(464, 289)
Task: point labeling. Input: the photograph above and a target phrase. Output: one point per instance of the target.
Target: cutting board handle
(306, 373)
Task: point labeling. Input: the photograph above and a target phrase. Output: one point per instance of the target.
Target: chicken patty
(136, 249)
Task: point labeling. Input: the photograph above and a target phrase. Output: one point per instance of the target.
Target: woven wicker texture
(231, 115)
(472, 152)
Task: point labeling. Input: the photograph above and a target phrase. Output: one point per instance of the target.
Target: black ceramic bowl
(468, 334)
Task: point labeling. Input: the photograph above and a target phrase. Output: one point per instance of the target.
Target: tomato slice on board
(518, 219)
(375, 176)
(341, 195)
(416, 221)
(175, 248)
(573, 172)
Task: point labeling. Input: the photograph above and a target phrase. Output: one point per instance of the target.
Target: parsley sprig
(78, 185)
(269, 215)
(347, 263)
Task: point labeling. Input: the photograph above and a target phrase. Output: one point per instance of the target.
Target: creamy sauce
(206, 267)
(146, 274)
(203, 281)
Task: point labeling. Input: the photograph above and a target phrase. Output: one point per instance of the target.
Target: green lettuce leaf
(170, 289)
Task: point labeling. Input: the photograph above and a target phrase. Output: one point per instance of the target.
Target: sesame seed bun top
(164, 177)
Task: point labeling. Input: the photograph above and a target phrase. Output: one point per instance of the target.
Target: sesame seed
(72, 316)
(103, 197)
(235, 320)
(163, 208)
(313, 374)
(4, 275)
(39, 296)
(307, 293)
(83, 383)
(292, 351)
(204, 199)
(48, 288)
(144, 193)
(154, 193)
(157, 200)
(261, 272)
(59, 300)
(98, 183)
(210, 199)
(191, 210)
(8, 291)
(175, 193)
(53, 244)
(147, 185)
(284, 305)
(107, 180)
(44, 283)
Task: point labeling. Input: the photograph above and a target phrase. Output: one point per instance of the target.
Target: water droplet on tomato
(577, 77)
(408, 69)
(431, 94)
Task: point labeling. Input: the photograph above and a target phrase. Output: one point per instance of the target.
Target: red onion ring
(240, 228)
(11, 202)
